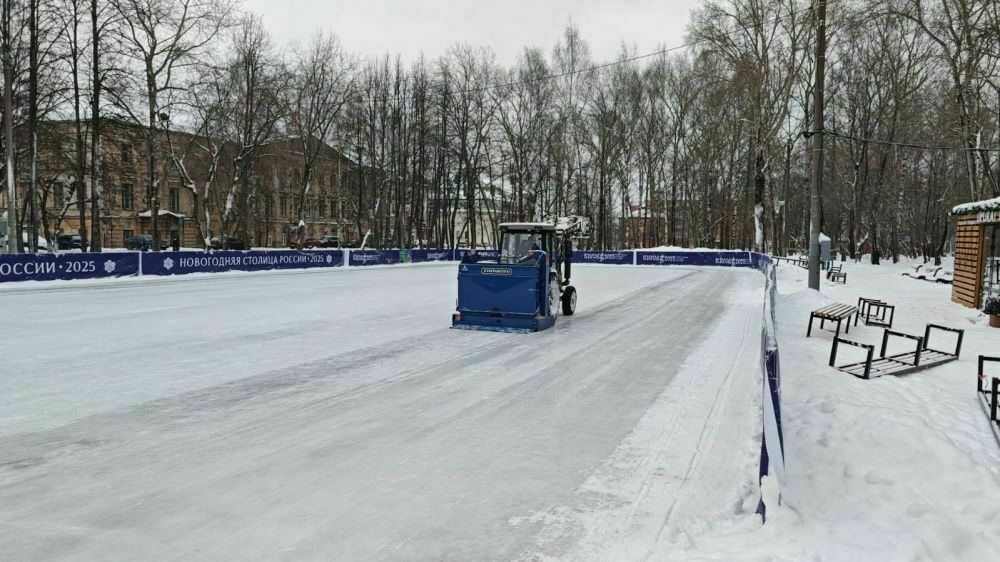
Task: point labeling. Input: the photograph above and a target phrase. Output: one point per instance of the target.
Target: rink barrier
(46, 267)
(610, 258)
(51, 267)
(772, 446)
(182, 263)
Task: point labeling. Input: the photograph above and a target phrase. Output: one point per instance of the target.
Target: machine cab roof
(527, 226)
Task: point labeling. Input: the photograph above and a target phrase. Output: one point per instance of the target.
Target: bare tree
(323, 84)
(251, 96)
(165, 40)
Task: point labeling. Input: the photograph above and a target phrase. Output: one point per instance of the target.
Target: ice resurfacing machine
(525, 288)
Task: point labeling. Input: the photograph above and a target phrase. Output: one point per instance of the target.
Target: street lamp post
(817, 141)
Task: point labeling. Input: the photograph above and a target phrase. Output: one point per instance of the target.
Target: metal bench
(989, 395)
(799, 261)
(922, 357)
(873, 313)
(836, 273)
(836, 312)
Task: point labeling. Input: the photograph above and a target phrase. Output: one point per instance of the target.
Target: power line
(594, 67)
(901, 144)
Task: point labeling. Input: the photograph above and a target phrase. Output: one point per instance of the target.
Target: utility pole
(816, 186)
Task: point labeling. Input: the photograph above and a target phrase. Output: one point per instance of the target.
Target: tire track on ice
(626, 506)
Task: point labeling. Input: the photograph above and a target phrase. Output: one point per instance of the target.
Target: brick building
(265, 204)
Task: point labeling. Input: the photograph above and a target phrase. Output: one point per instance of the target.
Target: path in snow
(333, 415)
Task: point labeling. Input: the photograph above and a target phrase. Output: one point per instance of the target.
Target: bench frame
(872, 312)
(923, 357)
(989, 398)
(838, 319)
(801, 262)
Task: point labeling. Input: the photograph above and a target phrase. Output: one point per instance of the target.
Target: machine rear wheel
(569, 301)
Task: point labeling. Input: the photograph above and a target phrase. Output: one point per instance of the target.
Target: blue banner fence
(50, 267)
(69, 266)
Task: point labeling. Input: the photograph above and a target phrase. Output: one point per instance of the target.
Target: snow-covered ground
(333, 415)
(894, 468)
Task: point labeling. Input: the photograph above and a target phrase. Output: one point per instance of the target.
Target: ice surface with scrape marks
(333, 415)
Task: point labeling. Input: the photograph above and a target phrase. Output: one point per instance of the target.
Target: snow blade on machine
(502, 297)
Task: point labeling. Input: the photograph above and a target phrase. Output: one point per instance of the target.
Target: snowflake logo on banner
(109, 266)
(329, 258)
(168, 264)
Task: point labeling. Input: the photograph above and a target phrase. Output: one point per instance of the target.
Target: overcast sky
(407, 27)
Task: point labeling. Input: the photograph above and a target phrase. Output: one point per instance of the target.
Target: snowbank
(681, 249)
(889, 469)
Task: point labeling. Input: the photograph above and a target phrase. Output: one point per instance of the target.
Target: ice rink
(334, 415)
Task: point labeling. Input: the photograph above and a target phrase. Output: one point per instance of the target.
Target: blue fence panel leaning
(50, 267)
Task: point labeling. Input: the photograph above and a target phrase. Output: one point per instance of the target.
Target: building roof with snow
(977, 207)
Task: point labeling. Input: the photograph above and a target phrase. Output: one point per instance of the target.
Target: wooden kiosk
(977, 252)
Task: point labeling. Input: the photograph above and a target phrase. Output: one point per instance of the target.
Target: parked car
(307, 242)
(328, 242)
(68, 242)
(142, 243)
(233, 243)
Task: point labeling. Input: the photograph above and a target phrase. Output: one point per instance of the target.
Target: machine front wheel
(569, 301)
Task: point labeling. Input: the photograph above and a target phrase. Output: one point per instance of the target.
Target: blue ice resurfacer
(525, 288)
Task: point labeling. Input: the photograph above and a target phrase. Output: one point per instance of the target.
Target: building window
(175, 199)
(283, 204)
(322, 207)
(58, 194)
(127, 154)
(126, 234)
(128, 197)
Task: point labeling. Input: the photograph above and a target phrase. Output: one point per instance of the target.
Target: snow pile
(680, 249)
(977, 206)
(895, 468)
